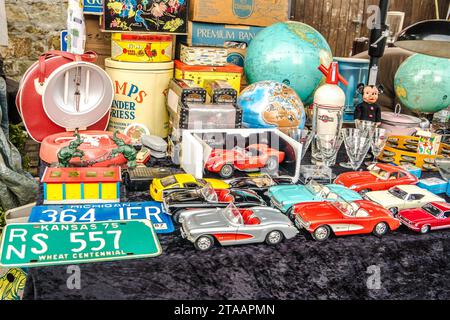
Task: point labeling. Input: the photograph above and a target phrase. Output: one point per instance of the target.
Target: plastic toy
(259, 183)
(67, 153)
(81, 185)
(379, 177)
(402, 197)
(177, 201)
(369, 109)
(322, 219)
(284, 197)
(254, 157)
(230, 226)
(182, 181)
(431, 216)
(128, 151)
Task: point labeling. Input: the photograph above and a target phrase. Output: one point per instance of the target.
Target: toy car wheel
(274, 237)
(322, 233)
(394, 211)
(380, 229)
(424, 229)
(271, 164)
(227, 171)
(204, 243)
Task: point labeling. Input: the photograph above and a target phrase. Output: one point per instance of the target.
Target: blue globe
(270, 104)
(289, 52)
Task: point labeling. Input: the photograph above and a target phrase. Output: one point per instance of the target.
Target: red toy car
(254, 157)
(341, 218)
(379, 177)
(432, 216)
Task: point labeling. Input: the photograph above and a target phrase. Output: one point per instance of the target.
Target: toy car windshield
(346, 208)
(315, 188)
(209, 193)
(432, 210)
(168, 181)
(396, 192)
(232, 214)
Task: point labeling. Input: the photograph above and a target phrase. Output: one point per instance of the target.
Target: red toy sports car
(322, 219)
(254, 157)
(379, 177)
(432, 216)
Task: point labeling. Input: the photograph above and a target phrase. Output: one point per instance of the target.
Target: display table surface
(412, 266)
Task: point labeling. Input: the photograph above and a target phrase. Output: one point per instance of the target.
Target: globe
(270, 104)
(422, 83)
(289, 52)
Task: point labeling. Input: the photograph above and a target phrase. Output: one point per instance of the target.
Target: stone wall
(33, 28)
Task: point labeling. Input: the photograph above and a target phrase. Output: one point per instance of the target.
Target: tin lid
(399, 118)
(141, 66)
(228, 68)
(141, 37)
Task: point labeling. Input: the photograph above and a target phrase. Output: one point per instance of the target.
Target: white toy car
(403, 197)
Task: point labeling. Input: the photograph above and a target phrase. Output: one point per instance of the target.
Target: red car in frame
(252, 158)
(322, 219)
(379, 176)
(432, 216)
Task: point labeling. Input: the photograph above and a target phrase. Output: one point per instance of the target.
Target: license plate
(44, 244)
(104, 212)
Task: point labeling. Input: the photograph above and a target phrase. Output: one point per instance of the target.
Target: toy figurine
(369, 109)
(66, 154)
(128, 151)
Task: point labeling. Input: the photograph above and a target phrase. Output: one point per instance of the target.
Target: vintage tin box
(246, 12)
(141, 47)
(220, 91)
(230, 73)
(203, 56)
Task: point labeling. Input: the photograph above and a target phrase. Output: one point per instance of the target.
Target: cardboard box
(217, 35)
(247, 12)
(197, 146)
(96, 40)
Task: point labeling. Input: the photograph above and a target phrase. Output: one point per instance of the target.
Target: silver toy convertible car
(177, 201)
(230, 225)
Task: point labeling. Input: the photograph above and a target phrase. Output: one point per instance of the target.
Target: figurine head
(77, 142)
(370, 93)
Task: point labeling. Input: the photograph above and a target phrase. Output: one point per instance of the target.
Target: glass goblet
(357, 144)
(304, 137)
(329, 146)
(377, 143)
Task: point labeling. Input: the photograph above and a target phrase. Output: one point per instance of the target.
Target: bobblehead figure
(369, 109)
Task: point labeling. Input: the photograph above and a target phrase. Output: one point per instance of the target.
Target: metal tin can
(141, 47)
(139, 90)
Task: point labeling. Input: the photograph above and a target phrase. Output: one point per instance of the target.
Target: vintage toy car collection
(402, 197)
(177, 201)
(431, 216)
(254, 157)
(182, 181)
(230, 226)
(285, 196)
(322, 219)
(379, 177)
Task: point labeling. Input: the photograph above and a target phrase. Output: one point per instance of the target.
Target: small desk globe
(270, 104)
(289, 52)
(422, 83)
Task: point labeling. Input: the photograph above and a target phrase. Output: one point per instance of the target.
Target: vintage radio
(203, 56)
(184, 91)
(221, 91)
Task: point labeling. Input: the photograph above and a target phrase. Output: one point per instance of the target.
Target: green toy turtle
(69, 152)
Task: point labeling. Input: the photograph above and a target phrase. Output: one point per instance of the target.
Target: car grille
(405, 221)
(300, 222)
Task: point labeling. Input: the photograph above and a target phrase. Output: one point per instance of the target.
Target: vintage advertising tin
(221, 91)
(141, 47)
(230, 73)
(140, 95)
(203, 56)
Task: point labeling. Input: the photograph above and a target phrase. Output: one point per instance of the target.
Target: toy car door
(444, 221)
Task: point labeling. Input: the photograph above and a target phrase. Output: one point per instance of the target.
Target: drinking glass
(357, 144)
(377, 143)
(328, 145)
(303, 136)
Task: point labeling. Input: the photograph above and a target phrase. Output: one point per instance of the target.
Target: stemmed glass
(329, 145)
(366, 126)
(304, 136)
(357, 144)
(377, 143)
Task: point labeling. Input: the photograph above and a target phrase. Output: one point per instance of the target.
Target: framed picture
(164, 16)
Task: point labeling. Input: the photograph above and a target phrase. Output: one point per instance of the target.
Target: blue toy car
(284, 197)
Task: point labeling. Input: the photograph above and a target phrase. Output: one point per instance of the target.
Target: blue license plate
(104, 212)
